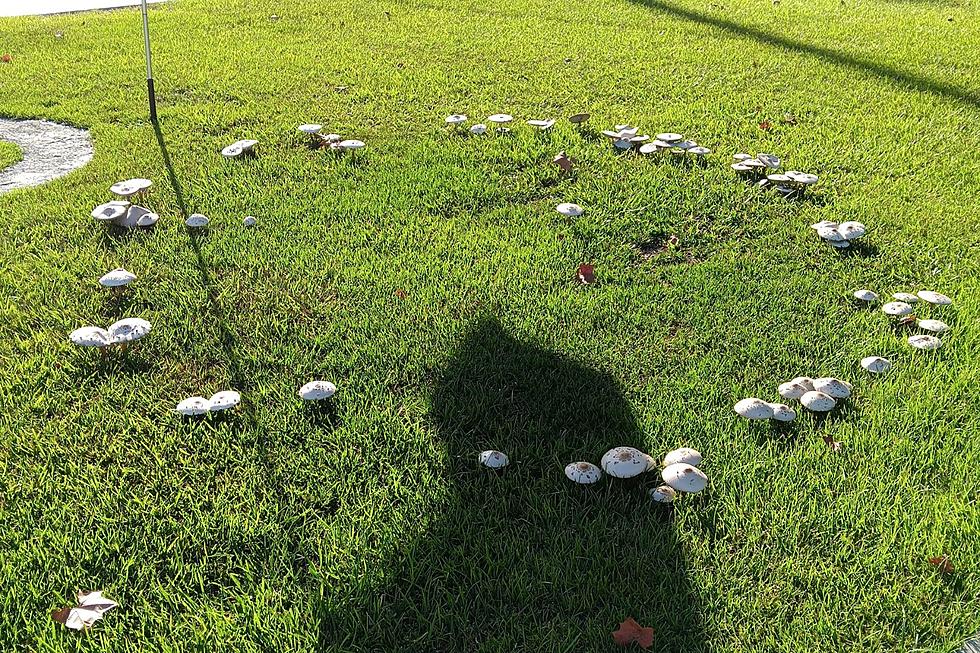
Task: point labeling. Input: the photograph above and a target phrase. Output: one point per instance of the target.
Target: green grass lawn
(9, 154)
(367, 525)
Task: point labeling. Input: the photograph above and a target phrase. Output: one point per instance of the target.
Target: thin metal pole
(149, 66)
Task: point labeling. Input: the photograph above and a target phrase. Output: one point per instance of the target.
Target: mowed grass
(9, 154)
(367, 525)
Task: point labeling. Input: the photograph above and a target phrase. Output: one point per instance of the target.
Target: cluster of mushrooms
(120, 333)
(818, 395)
(627, 137)
(902, 310)
(457, 121)
(197, 406)
(763, 170)
(245, 147)
(680, 471)
(123, 213)
(335, 142)
(840, 235)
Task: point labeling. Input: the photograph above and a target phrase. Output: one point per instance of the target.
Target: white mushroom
(684, 478)
(683, 455)
(896, 308)
(831, 234)
(823, 223)
(494, 459)
(224, 400)
(866, 295)
(669, 137)
(624, 462)
(316, 390)
(791, 390)
(768, 160)
(569, 209)
(804, 381)
(622, 144)
(834, 387)
(936, 326)
(542, 125)
(249, 221)
(583, 473)
(136, 216)
(233, 151)
(741, 156)
(116, 278)
(90, 336)
(925, 342)
(196, 220)
(906, 297)
(663, 494)
(876, 364)
(128, 330)
(818, 402)
(456, 119)
(500, 118)
(699, 150)
(752, 408)
(330, 139)
(193, 406)
(147, 219)
(934, 298)
(310, 129)
(110, 211)
(350, 145)
(802, 178)
(782, 412)
(852, 230)
(478, 129)
(130, 187)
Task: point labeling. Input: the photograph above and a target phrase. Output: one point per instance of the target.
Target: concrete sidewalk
(38, 7)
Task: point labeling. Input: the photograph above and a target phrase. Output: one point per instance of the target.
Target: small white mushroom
(896, 308)
(818, 402)
(816, 226)
(110, 211)
(752, 408)
(741, 168)
(193, 406)
(936, 326)
(934, 298)
(316, 390)
(699, 150)
(866, 295)
(906, 297)
(683, 455)
(456, 119)
(197, 220)
(232, 151)
(542, 125)
(350, 145)
(310, 129)
(684, 478)
(663, 494)
(624, 462)
(249, 221)
(130, 187)
(500, 118)
(636, 140)
(570, 209)
(834, 387)
(831, 234)
(128, 330)
(224, 400)
(90, 336)
(851, 230)
(802, 178)
(583, 473)
(791, 390)
(925, 342)
(330, 139)
(494, 459)
(768, 160)
(804, 381)
(876, 364)
(782, 412)
(741, 156)
(669, 137)
(622, 144)
(478, 129)
(684, 144)
(147, 219)
(117, 278)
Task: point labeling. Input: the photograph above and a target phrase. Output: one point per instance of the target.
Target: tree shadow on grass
(522, 560)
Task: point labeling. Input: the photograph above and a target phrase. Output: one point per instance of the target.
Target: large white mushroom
(223, 400)
(624, 462)
(90, 336)
(834, 387)
(110, 211)
(906, 297)
(193, 406)
(752, 408)
(570, 209)
(925, 342)
(782, 412)
(684, 478)
(934, 297)
(197, 221)
(130, 187)
(117, 278)
(350, 145)
(310, 129)
(316, 390)
(669, 137)
(456, 119)
(583, 473)
(769, 160)
(128, 330)
(683, 455)
(851, 229)
(866, 295)
(818, 402)
(936, 326)
(896, 309)
(876, 364)
(493, 459)
(792, 390)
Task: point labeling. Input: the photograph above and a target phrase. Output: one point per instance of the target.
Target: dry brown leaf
(942, 563)
(833, 444)
(6, 58)
(630, 632)
(586, 273)
(765, 126)
(401, 294)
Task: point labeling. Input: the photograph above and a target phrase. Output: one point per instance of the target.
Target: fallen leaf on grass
(401, 294)
(942, 563)
(586, 273)
(565, 162)
(765, 126)
(6, 58)
(91, 607)
(833, 444)
(630, 631)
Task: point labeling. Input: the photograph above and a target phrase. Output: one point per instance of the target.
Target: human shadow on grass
(522, 559)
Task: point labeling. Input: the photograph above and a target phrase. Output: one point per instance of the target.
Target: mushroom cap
(310, 129)
(936, 326)
(624, 462)
(684, 144)
(803, 178)
(116, 278)
(583, 473)
(636, 140)
(896, 308)
(669, 137)
(649, 148)
(232, 151)
(778, 178)
(622, 144)
(579, 118)
(110, 211)
(543, 125)
(791, 390)
(684, 477)
(818, 401)
(831, 233)
(752, 408)
(804, 381)
(500, 118)
(663, 494)
(197, 220)
(934, 297)
(876, 364)
(699, 150)
(249, 221)
(741, 167)
(478, 129)
(906, 297)
(128, 330)
(331, 138)
(626, 128)
(754, 163)
(683, 455)
(782, 412)
(134, 216)
(130, 187)
(852, 229)
(147, 219)
(925, 342)
(315, 390)
(570, 209)
(224, 400)
(741, 156)
(768, 160)
(823, 223)
(350, 144)
(493, 459)
(193, 406)
(456, 119)
(866, 295)
(611, 134)
(247, 144)
(90, 336)
(834, 387)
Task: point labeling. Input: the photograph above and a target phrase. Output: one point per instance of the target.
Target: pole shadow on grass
(523, 560)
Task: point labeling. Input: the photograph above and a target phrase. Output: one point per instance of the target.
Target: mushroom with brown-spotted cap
(934, 297)
(896, 309)
(683, 455)
(752, 408)
(624, 462)
(834, 387)
(925, 342)
(90, 336)
(818, 402)
(193, 407)
(684, 478)
(117, 278)
(224, 400)
(493, 459)
(875, 364)
(583, 473)
(663, 494)
(317, 390)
